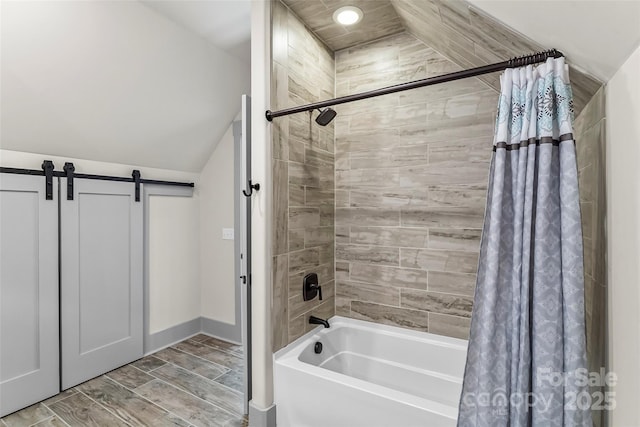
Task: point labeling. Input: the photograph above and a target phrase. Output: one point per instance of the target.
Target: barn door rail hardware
(49, 172)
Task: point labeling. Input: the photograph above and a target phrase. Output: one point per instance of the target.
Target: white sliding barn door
(29, 347)
(101, 279)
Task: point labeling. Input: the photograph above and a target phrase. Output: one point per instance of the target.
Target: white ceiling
(598, 35)
(113, 81)
(224, 23)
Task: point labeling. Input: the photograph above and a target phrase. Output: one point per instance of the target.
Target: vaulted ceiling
(470, 37)
(114, 81)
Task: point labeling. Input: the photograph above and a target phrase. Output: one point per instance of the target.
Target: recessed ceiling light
(347, 15)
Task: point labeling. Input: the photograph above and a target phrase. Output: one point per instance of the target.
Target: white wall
(217, 273)
(174, 261)
(623, 223)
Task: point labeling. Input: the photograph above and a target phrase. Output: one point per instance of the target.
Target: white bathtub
(369, 375)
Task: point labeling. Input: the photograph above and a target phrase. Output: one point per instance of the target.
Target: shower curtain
(527, 356)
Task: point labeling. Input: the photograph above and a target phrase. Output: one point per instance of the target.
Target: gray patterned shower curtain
(527, 345)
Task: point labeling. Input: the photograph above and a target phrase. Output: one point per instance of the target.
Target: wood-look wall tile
(471, 196)
(319, 196)
(296, 327)
(393, 157)
(388, 315)
(280, 301)
(302, 174)
(453, 172)
(296, 195)
(451, 326)
(390, 197)
(342, 235)
(440, 260)
(390, 236)
(342, 198)
(473, 149)
(367, 292)
(452, 217)
(452, 283)
(327, 253)
(348, 142)
(404, 115)
(303, 217)
(388, 276)
(327, 215)
(368, 254)
(459, 239)
(342, 270)
(304, 259)
(318, 236)
(280, 205)
(296, 239)
(296, 149)
(369, 216)
(343, 306)
(457, 305)
(367, 178)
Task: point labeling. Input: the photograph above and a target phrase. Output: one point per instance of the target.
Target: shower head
(325, 116)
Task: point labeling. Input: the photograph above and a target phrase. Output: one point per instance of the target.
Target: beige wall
(303, 178)
(174, 288)
(411, 178)
(217, 265)
(623, 235)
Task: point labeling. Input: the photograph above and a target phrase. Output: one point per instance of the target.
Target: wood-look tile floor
(197, 382)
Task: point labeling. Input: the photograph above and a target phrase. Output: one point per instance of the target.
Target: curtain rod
(519, 61)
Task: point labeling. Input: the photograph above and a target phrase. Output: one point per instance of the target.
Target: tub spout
(318, 321)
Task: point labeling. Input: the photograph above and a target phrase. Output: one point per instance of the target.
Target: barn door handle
(251, 188)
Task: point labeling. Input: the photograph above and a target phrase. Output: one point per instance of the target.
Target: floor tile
(208, 390)
(51, 422)
(60, 396)
(193, 409)
(28, 416)
(129, 376)
(232, 379)
(123, 402)
(192, 363)
(148, 363)
(80, 411)
(211, 354)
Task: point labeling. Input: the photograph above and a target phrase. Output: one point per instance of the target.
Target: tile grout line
(199, 398)
(241, 395)
(55, 414)
(216, 365)
(102, 406)
(144, 398)
(206, 360)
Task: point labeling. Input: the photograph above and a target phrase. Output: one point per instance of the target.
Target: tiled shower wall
(303, 178)
(589, 133)
(411, 180)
